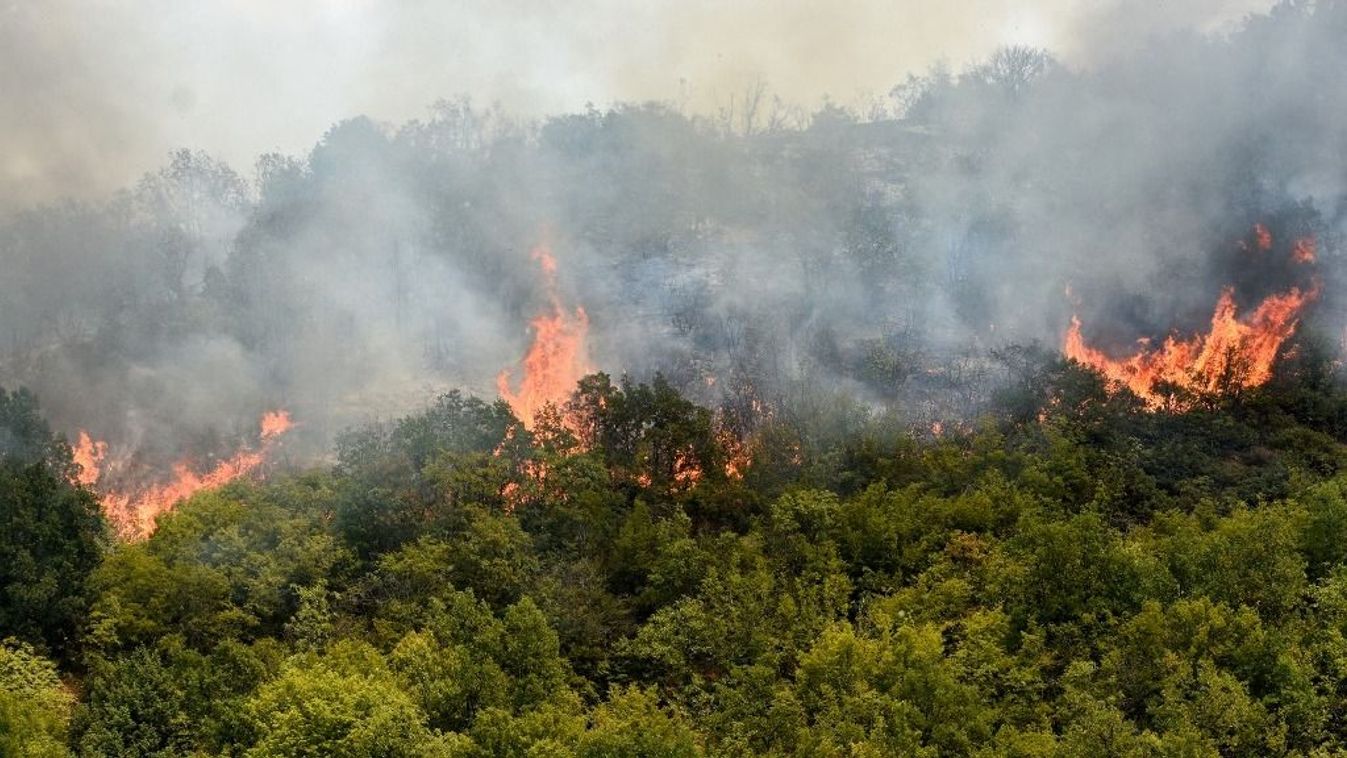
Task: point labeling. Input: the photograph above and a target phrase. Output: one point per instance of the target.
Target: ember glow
(1235, 352)
(533, 476)
(133, 512)
(558, 357)
(1304, 250)
(687, 472)
(737, 455)
(1262, 237)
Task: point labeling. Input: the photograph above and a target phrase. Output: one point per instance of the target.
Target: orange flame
(133, 514)
(558, 357)
(1235, 352)
(275, 423)
(738, 457)
(534, 474)
(89, 455)
(687, 472)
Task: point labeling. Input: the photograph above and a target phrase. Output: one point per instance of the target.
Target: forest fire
(558, 357)
(738, 457)
(1304, 250)
(89, 455)
(133, 512)
(1235, 352)
(687, 472)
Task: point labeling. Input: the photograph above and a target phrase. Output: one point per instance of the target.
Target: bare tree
(741, 115)
(1013, 68)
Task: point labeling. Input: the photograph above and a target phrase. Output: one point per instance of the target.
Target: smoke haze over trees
(96, 95)
(875, 252)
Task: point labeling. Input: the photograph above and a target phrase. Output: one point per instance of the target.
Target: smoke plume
(754, 242)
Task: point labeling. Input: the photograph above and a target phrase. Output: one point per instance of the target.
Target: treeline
(871, 249)
(1070, 576)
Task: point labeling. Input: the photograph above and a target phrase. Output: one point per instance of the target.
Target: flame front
(558, 357)
(1233, 353)
(133, 514)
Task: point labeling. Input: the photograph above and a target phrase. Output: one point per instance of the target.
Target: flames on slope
(558, 357)
(89, 454)
(1235, 352)
(133, 511)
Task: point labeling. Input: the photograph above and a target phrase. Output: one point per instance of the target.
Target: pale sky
(94, 93)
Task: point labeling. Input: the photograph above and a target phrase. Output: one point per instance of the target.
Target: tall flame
(133, 513)
(558, 357)
(89, 454)
(1234, 352)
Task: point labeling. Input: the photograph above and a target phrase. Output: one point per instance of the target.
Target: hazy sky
(95, 92)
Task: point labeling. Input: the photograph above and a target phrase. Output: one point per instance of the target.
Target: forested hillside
(1002, 414)
(1072, 575)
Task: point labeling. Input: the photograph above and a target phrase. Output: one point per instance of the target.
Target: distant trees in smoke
(869, 252)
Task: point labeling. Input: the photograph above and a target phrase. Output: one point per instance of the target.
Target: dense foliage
(1071, 576)
(53, 533)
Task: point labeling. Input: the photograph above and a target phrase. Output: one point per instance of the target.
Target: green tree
(345, 704)
(136, 706)
(52, 534)
(631, 724)
(34, 706)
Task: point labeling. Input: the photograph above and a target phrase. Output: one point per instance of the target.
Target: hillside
(1072, 575)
